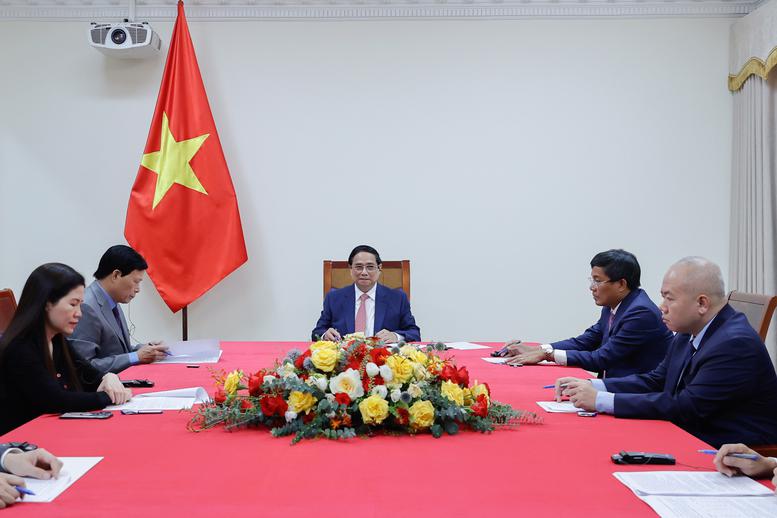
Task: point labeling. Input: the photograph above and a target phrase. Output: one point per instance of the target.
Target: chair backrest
(7, 308)
(757, 308)
(395, 274)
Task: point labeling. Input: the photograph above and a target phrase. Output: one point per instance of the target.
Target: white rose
(330, 397)
(396, 394)
(268, 378)
(290, 416)
(380, 390)
(414, 390)
(385, 373)
(320, 382)
(348, 382)
(372, 370)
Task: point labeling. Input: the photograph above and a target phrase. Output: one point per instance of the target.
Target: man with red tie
(366, 306)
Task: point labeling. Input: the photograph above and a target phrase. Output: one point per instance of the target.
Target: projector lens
(118, 36)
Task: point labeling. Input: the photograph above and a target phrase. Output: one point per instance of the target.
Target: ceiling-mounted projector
(127, 40)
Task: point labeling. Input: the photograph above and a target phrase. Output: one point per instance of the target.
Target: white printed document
(193, 351)
(179, 399)
(495, 359)
(73, 468)
(465, 346)
(554, 407)
(690, 483)
(713, 506)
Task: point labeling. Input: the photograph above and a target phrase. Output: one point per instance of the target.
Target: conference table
(153, 466)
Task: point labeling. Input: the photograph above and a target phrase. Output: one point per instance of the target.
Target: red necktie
(361, 315)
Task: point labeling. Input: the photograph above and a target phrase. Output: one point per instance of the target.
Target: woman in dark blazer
(39, 372)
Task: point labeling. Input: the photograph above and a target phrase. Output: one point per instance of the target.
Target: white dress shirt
(370, 308)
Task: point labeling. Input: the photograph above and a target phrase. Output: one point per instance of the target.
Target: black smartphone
(641, 457)
(86, 415)
(137, 383)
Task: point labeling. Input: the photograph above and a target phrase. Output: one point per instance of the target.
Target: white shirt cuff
(598, 384)
(605, 402)
(6, 452)
(546, 347)
(560, 356)
(400, 338)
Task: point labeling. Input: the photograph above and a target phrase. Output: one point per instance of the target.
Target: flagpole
(185, 315)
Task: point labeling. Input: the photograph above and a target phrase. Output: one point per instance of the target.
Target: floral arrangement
(356, 387)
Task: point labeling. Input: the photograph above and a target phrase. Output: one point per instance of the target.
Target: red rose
(403, 416)
(378, 380)
(354, 363)
(462, 377)
(343, 398)
(449, 373)
(246, 404)
(273, 405)
(308, 417)
(220, 396)
(480, 407)
(301, 359)
(379, 355)
(255, 385)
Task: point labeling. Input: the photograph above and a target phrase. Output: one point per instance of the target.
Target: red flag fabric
(182, 214)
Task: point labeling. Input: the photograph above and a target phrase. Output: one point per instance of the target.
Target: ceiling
(107, 10)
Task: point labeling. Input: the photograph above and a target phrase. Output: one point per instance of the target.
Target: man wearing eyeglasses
(367, 306)
(629, 337)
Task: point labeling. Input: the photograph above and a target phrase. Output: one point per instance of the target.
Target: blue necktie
(118, 320)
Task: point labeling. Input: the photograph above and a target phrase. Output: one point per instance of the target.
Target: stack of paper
(465, 346)
(682, 494)
(73, 468)
(193, 351)
(565, 407)
(179, 399)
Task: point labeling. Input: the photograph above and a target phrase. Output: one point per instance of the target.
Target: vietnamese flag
(182, 214)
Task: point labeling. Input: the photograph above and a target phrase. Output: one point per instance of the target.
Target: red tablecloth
(154, 467)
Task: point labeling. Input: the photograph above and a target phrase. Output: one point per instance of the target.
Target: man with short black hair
(717, 381)
(101, 336)
(366, 306)
(628, 338)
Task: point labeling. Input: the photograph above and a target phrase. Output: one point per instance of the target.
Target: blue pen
(24, 491)
(563, 385)
(748, 456)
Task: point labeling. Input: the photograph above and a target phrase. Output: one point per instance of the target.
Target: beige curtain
(753, 261)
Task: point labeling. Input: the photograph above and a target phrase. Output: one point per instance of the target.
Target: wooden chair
(395, 274)
(757, 308)
(7, 308)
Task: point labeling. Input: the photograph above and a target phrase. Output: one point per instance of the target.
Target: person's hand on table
(581, 393)
(332, 334)
(111, 385)
(36, 464)
(562, 383)
(387, 336)
(532, 356)
(8, 493)
(730, 466)
(151, 352)
(515, 347)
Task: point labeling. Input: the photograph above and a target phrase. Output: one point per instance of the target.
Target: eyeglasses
(369, 268)
(593, 283)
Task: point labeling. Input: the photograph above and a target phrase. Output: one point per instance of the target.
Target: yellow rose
(478, 389)
(301, 401)
(407, 350)
(374, 409)
(420, 372)
(323, 344)
(232, 382)
(402, 368)
(453, 392)
(468, 399)
(421, 415)
(325, 359)
(419, 357)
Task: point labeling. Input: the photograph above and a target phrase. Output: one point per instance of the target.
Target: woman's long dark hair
(48, 283)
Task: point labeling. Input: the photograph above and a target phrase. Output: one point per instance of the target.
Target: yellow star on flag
(171, 162)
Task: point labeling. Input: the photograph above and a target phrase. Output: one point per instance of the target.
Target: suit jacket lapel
(380, 309)
(108, 315)
(625, 303)
(350, 309)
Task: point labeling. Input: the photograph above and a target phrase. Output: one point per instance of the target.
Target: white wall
(498, 156)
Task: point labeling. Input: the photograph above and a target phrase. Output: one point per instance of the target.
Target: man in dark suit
(366, 306)
(102, 337)
(629, 337)
(717, 380)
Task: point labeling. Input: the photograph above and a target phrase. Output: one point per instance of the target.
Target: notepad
(465, 346)
(178, 399)
(554, 407)
(193, 351)
(73, 468)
